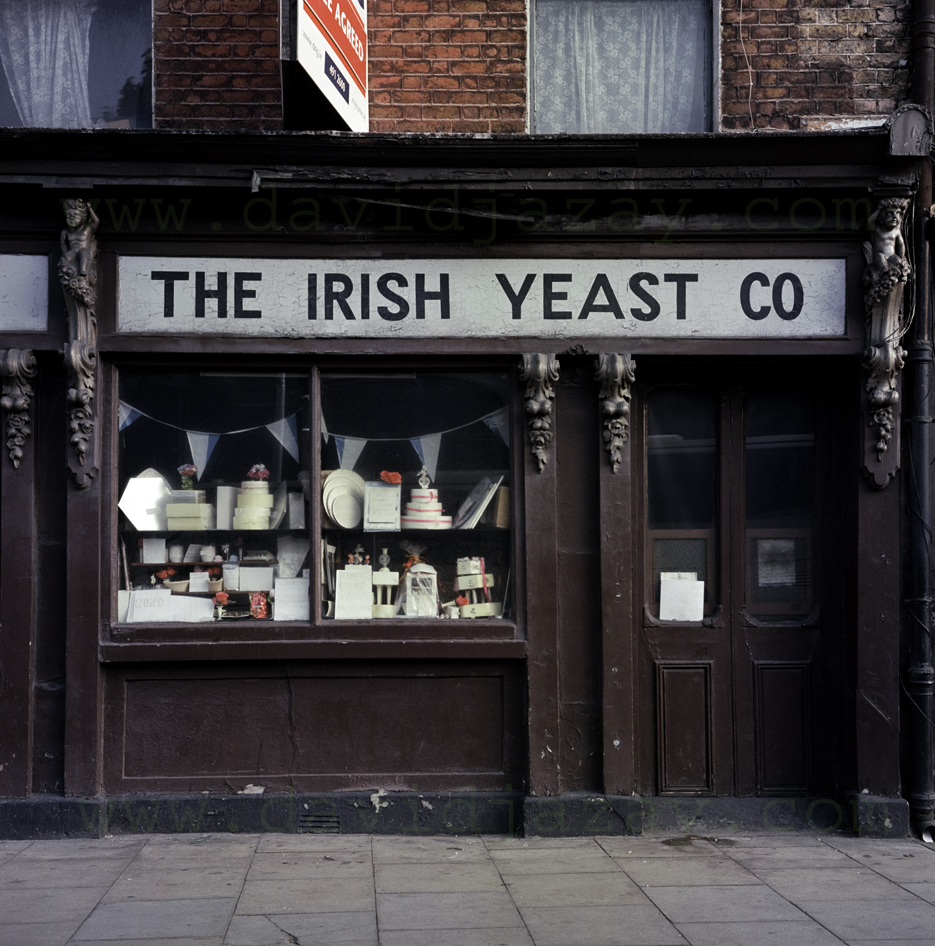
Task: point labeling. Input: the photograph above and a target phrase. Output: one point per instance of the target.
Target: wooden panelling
(683, 725)
(782, 727)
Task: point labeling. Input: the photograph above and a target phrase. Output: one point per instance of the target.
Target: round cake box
(425, 495)
(258, 485)
(429, 509)
(438, 522)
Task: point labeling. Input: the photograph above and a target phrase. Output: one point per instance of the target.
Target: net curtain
(620, 66)
(44, 50)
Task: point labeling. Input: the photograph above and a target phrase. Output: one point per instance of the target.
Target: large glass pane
(415, 495)
(213, 481)
(779, 452)
(681, 469)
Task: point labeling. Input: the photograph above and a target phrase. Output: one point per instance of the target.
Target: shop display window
(415, 473)
(230, 510)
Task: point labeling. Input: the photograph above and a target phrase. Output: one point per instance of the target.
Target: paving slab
(427, 850)
(925, 890)
(803, 933)
(36, 934)
(637, 925)
(175, 941)
(591, 860)
(444, 911)
(289, 865)
(171, 919)
(772, 839)
(714, 904)
(309, 929)
(645, 847)
(833, 884)
(146, 881)
(874, 919)
(533, 844)
(569, 890)
(118, 847)
(63, 905)
(47, 872)
(509, 936)
(799, 858)
(308, 843)
(672, 872)
(467, 876)
(13, 847)
(319, 895)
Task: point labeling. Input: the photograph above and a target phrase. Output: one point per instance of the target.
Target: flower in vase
(220, 599)
(258, 472)
(188, 471)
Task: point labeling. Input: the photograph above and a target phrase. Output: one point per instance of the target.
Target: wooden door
(735, 675)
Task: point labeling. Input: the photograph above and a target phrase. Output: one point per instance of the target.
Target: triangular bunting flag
(500, 422)
(126, 415)
(349, 451)
(286, 432)
(427, 447)
(324, 429)
(201, 446)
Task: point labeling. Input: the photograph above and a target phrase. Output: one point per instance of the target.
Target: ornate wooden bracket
(616, 373)
(885, 275)
(18, 369)
(77, 272)
(540, 372)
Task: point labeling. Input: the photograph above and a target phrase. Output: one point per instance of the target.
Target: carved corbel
(77, 272)
(19, 368)
(540, 372)
(615, 373)
(885, 276)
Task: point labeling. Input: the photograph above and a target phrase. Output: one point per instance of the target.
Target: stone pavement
(781, 889)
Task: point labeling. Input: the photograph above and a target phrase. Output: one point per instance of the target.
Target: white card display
(382, 503)
(353, 598)
(290, 602)
(154, 551)
(681, 599)
(255, 578)
(198, 581)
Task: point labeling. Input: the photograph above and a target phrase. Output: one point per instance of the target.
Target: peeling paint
(375, 799)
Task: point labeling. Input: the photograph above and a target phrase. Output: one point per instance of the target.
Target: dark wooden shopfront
(737, 447)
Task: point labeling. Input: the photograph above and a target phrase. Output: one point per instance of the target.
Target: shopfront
(457, 486)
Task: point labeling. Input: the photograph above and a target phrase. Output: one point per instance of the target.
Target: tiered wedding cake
(254, 505)
(424, 511)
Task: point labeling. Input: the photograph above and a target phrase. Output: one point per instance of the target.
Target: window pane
(681, 469)
(76, 63)
(621, 66)
(779, 441)
(211, 495)
(380, 509)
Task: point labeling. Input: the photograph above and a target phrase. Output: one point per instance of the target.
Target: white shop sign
(24, 293)
(483, 298)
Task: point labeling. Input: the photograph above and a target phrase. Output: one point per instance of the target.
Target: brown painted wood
(18, 608)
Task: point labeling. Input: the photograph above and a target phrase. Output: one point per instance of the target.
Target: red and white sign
(333, 51)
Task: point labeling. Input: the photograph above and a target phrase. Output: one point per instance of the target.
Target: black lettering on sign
(312, 296)
(601, 284)
(516, 298)
(550, 296)
(636, 287)
(202, 293)
(339, 295)
(168, 296)
(365, 296)
(441, 296)
(798, 296)
(240, 294)
(745, 304)
(680, 280)
(402, 305)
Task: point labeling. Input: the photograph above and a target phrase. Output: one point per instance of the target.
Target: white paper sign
(681, 600)
(198, 582)
(154, 551)
(615, 299)
(290, 601)
(353, 599)
(24, 293)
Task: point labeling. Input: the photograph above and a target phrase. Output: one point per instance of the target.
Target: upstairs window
(76, 63)
(622, 66)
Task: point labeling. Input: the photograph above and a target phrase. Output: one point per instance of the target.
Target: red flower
(220, 598)
(388, 477)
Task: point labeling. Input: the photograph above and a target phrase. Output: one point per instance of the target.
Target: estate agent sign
(478, 298)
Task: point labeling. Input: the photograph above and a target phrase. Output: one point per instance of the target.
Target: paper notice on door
(681, 599)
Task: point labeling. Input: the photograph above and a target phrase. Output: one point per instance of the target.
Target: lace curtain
(44, 51)
(620, 66)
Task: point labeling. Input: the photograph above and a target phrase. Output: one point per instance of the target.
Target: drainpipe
(920, 371)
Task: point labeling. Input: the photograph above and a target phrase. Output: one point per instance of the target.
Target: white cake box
(203, 511)
(187, 496)
(473, 582)
(256, 578)
(255, 500)
(470, 566)
(261, 486)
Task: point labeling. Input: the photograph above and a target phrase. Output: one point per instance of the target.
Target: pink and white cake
(424, 511)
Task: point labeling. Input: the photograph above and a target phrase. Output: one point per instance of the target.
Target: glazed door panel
(735, 684)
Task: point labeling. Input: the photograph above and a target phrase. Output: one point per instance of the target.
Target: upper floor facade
(460, 66)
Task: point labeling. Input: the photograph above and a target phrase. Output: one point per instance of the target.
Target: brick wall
(216, 64)
(813, 62)
(447, 65)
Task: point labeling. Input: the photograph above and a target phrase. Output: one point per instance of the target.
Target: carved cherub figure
(887, 246)
(78, 246)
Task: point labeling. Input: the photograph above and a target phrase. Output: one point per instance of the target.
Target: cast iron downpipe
(917, 403)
